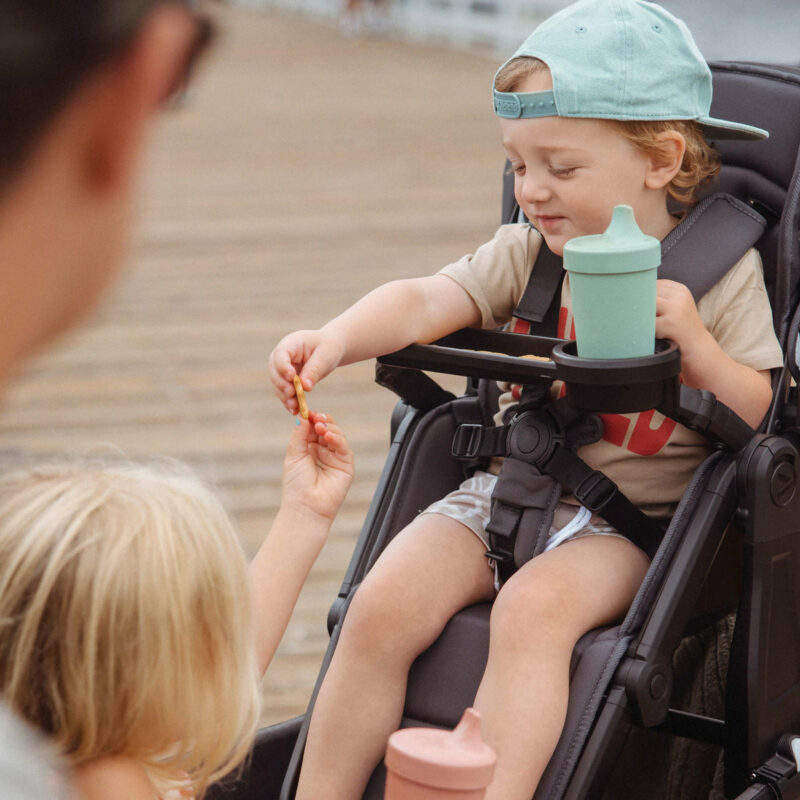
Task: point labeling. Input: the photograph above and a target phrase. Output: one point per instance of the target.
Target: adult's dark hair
(46, 48)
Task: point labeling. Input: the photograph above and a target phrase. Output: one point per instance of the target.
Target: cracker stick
(301, 396)
(537, 358)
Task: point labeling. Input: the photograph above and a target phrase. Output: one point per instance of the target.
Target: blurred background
(323, 149)
(746, 30)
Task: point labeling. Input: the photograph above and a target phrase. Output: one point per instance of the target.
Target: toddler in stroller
(606, 103)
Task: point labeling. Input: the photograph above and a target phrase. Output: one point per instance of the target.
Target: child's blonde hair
(125, 620)
(700, 161)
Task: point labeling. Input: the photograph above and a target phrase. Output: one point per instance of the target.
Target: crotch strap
(540, 463)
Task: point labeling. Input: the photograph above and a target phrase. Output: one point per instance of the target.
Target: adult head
(80, 81)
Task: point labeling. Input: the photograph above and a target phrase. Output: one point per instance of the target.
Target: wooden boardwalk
(305, 169)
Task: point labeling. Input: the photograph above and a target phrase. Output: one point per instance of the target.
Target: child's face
(570, 173)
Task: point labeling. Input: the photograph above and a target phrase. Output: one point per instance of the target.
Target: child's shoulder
(113, 776)
(745, 276)
(517, 240)
(518, 231)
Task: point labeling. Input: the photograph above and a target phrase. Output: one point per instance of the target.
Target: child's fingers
(319, 416)
(323, 428)
(323, 359)
(329, 433)
(281, 368)
(327, 422)
(289, 403)
(297, 446)
(336, 443)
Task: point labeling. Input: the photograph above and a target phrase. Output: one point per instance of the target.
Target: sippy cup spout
(623, 223)
(468, 730)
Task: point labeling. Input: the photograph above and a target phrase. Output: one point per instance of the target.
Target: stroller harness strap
(540, 442)
(540, 464)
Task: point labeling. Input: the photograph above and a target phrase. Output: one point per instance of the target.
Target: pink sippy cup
(432, 764)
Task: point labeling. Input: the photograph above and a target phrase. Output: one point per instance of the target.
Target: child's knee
(375, 622)
(531, 605)
(370, 610)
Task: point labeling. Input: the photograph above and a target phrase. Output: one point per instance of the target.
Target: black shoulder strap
(709, 240)
(699, 252)
(541, 300)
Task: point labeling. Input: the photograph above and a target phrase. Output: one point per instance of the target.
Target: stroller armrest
(701, 411)
(481, 354)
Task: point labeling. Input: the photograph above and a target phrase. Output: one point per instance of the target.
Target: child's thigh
(430, 570)
(583, 584)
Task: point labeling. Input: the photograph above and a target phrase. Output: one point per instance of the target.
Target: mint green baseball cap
(623, 60)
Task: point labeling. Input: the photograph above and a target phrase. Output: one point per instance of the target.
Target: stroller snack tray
(612, 385)
(596, 385)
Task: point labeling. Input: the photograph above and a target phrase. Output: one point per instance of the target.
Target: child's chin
(555, 243)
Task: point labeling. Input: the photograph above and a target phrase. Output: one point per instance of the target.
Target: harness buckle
(467, 440)
(596, 491)
(533, 437)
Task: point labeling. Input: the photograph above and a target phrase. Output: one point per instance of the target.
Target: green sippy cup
(612, 277)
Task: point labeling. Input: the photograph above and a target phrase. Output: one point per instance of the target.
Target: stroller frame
(622, 677)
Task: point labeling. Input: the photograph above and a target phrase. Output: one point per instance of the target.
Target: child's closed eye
(562, 172)
(515, 169)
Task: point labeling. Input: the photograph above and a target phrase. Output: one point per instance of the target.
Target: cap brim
(722, 129)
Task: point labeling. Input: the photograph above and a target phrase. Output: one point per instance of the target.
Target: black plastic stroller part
(262, 774)
(742, 504)
(762, 468)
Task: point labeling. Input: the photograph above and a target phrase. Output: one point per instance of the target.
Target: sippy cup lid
(457, 759)
(621, 248)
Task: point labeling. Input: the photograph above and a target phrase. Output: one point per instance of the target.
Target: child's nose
(533, 189)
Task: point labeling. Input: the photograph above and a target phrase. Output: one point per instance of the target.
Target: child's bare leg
(538, 616)
(433, 568)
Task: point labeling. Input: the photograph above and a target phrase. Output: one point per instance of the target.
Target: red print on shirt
(645, 440)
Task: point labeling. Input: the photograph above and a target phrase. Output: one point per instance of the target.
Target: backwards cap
(623, 60)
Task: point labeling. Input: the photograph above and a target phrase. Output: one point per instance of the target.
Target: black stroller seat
(622, 676)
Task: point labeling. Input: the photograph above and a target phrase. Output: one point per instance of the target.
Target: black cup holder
(619, 385)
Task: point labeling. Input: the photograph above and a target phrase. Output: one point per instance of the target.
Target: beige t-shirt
(736, 311)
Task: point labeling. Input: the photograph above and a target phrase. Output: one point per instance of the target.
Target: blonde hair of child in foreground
(127, 632)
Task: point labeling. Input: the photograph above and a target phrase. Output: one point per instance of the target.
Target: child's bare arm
(317, 472)
(704, 364)
(390, 317)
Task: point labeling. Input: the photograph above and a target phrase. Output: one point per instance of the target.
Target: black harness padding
(540, 442)
(517, 529)
(541, 301)
(706, 244)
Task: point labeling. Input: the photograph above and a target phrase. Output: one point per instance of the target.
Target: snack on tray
(529, 356)
(301, 396)
(537, 358)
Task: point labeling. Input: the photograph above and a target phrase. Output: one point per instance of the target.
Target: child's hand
(309, 354)
(677, 318)
(318, 467)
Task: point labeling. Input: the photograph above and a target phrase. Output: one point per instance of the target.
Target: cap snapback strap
(516, 105)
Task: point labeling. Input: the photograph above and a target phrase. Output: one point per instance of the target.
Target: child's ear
(666, 162)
